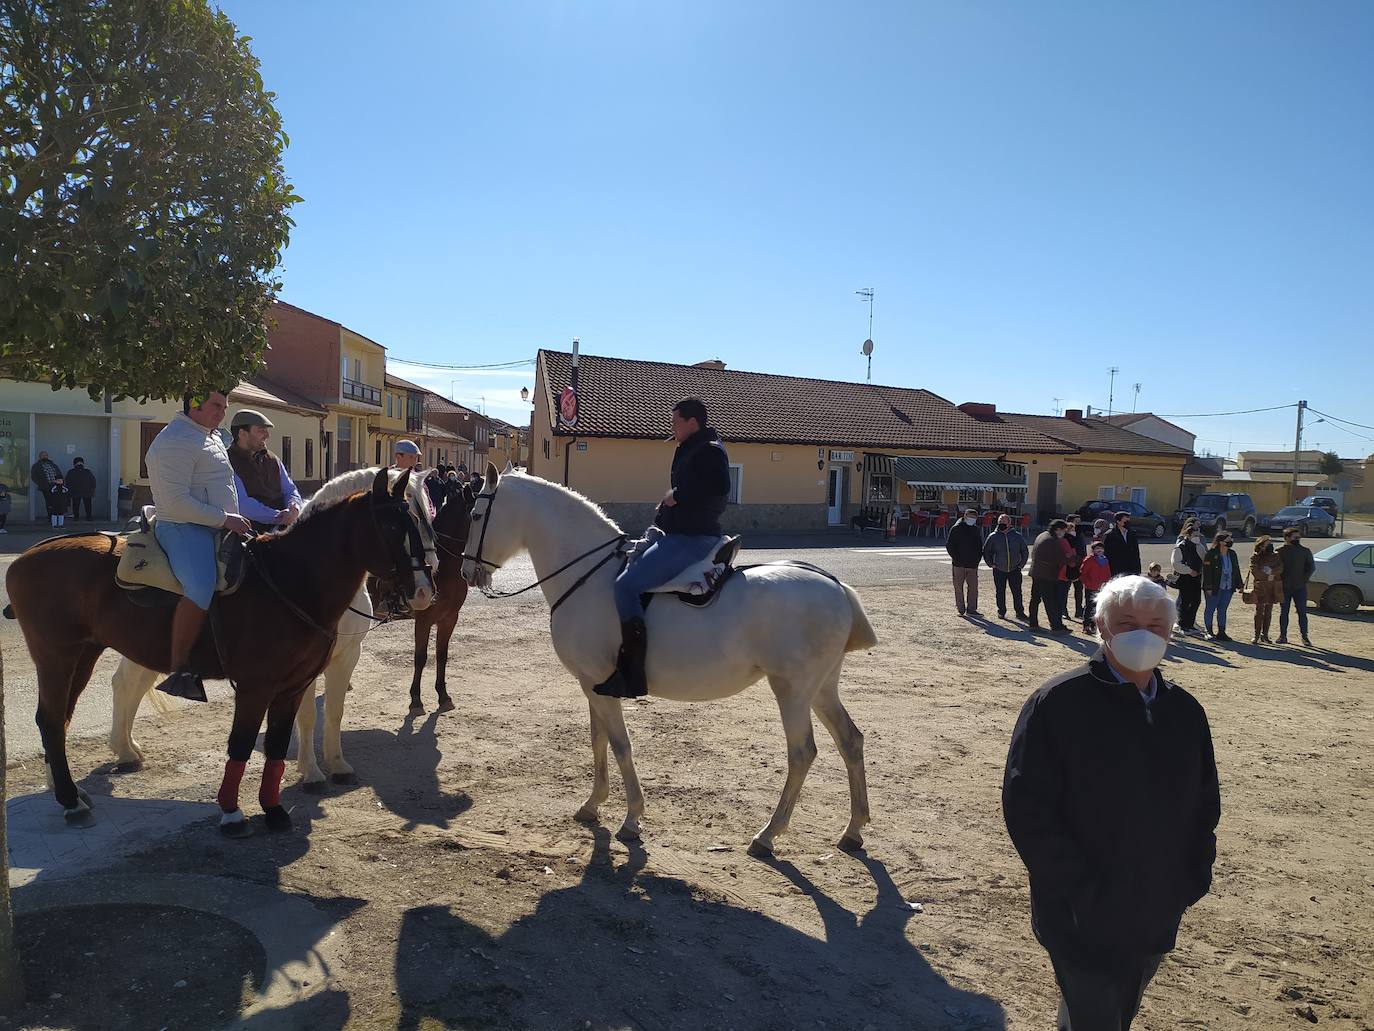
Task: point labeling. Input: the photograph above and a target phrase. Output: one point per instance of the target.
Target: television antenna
(1057, 407)
(1136, 400)
(1111, 389)
(866, 294)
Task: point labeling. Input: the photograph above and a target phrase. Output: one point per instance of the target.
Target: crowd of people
(1069, 560)
(62, 493)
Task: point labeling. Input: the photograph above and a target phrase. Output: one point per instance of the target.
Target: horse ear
(493, 477)
(379, 484)
(508, 467)
(402, 481)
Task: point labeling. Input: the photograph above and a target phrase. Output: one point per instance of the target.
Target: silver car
(1344, 577)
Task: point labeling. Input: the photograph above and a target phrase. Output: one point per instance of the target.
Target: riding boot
(628, 679)
(187, 620)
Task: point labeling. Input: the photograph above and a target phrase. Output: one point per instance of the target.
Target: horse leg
(131, 682)
(336, 679)
(311, 776)
(275, 743)
(422, 625)
(248, 713)
(849, 739)
(801, 751)
(60, 681)
(601, 781)
(612, 719)
(442, 635)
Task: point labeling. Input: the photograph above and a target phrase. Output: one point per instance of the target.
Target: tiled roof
(392, 380)
(1129, 419)
(436, 432)
(262, 391)
(1201, 466)
(1091, 434)
(621, 397)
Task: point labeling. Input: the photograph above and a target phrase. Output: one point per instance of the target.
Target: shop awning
(956, 473)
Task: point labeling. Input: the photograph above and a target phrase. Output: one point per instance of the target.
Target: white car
(1344, 578)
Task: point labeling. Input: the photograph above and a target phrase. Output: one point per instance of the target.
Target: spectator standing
(58, 499)
(1123, 547)
(1266, 574)
(1186, 563)
(437, 487)
(1078, 540)
(1006, 552)
(43, 472)
(1298, 567)
(6, 504)
(1047, 566)
(1110, 796)
(81, 482)
(1093, 574)
(965, 546)
(1100, 528)
(1220, 578)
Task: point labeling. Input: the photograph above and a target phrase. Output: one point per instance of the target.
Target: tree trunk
(11, 975)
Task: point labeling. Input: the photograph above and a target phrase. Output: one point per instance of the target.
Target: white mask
(970, 520)
(1138, 650)
(1196, 538)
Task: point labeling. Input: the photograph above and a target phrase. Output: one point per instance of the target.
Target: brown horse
(269, 639)
(451, 590)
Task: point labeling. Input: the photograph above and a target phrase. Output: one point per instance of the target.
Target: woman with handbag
(1186, 574)
(1266, 572)
(1220, 578)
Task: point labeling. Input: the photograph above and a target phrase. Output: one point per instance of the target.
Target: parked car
(1344, 577)
(1310, 520)
(1324, 503)
(1143, 521)
(1215, 512)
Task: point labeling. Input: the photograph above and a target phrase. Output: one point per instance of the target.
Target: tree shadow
(418, 798)
(624, 948)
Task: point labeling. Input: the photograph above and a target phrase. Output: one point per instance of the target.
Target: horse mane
(345, 485)
(566, 495)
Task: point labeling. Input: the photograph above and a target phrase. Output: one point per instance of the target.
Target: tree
(143, 210)
(143, 204)
(1330, 466)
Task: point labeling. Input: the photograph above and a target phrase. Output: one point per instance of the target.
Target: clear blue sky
(1037, 191)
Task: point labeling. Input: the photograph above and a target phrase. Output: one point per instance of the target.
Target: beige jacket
(192, 479)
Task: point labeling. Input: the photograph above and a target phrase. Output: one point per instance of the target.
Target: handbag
(1172, 581)
(1247, 595)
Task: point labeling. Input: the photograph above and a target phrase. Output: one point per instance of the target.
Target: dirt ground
(469, 897)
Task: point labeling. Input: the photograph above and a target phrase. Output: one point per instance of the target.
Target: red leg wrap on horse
(229, 788)
(272, 771)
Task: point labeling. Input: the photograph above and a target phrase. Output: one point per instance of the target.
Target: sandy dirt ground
(468, 896)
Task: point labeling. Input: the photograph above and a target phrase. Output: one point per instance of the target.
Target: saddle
(700, 583)
(143, 565)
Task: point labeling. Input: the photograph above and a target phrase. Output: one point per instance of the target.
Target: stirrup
(184, 684)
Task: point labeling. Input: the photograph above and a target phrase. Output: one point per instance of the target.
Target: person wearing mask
(81, 482)
(1006, 552)
(1298, 567)
(1186, 564)
(1220, 578)
(1078, 540)
(1266, 574)
(1100, 528)
(965, 546)
(1047, 567)
(1111, 798)
(1123, 547)
(1094, 574)
(436, 486)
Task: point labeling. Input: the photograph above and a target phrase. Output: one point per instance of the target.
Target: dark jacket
(701, 486)
(43, 472)
(1298, 566)
(1006, 552)
(81, 482)
(1047, 557)
(58, 499)
(965, 545)
(1113, 810)
(1211, 571)
(1123, 552)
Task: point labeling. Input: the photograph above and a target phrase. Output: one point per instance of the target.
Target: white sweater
(192, 479)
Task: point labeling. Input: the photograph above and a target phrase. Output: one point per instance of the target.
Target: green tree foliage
(1330, 465)
(143, 204)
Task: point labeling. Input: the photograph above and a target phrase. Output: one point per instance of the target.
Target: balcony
(361, 392)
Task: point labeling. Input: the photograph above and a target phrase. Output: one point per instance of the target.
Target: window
(925, 493)
(970, 495)
(309, 458)
(286, 454)
(379, 441)
(343, 367)
(389, 398)
(1106, 493)
(880, 487)
(736, 475)
(1364, 558)
(357, 370)
(1138, 497)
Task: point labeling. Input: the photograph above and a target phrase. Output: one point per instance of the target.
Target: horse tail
(9, 611)
(861, 635)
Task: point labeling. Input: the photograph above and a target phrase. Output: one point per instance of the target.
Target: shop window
(286, 454)
(970, 496)
(925, 493)
(880, 488)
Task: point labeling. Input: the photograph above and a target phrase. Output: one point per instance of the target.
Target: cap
(406, 447)
(248, 417)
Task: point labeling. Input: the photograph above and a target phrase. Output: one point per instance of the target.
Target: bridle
(484, 517)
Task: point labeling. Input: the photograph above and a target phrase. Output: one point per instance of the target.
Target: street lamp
(524, 393)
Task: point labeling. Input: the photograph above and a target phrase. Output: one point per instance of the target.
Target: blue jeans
(663, 560)
(1290, 597)
(190, 549)
(1217, 604)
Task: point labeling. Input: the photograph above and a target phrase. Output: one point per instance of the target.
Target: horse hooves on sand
(851, 844)
(130, 766)
(344, 778)
(78, 815)
(631, 837)
(313, 787)
(585, 815)
(277, 818)
(417, 709)
(759, 850)
(446, 705)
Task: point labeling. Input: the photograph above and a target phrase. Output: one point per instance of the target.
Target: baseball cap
(406, 447)
(248, 417)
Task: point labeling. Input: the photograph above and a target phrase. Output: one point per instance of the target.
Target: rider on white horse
(689, 515)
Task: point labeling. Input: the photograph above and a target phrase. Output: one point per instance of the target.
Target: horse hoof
(277, 818)
(78, 815)
(586, 815)
(851, 843)
(446, 705)
(239, 828)
(416, 709)
(344, 778)
(759, 850)
(129, 766)
(628, 836)
(313, 787)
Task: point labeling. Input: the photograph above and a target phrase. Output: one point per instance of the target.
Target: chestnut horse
(451, 590)
(270, 638)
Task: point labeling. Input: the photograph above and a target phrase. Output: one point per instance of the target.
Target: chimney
(1074, 414)
(714, 363)
(978, 409)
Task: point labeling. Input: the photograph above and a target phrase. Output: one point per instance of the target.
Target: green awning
(956, 473)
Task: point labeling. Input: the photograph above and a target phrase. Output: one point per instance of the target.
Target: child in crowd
(1156, 573)
(1094, 572)
(58, 500)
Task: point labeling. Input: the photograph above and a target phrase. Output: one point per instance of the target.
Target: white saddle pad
(698, 578)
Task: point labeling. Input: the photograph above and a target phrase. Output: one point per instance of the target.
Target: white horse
(789, 623)
(133, 682)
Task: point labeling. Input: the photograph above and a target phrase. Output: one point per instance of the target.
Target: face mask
(1099, 555)
(1124, 527)
(970, 520)
(1138, 650)
(1003, 527)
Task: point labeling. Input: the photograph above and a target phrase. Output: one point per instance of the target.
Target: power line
(464, 368)
(1218, 415)
(1335, 418)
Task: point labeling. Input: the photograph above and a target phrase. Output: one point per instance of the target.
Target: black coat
(965, 545)
(1113, 812)
(58, 499)
(701, 486)
(1298, 566)
(81, 482)
(1123, 552)
(43, 472)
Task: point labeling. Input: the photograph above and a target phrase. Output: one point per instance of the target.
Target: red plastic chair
(986, 524)
(1025, 523)
(941, 524)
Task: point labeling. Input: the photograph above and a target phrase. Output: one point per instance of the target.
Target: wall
(304, 354)
(1157, 429)
(1268, 497)
(1084, 474)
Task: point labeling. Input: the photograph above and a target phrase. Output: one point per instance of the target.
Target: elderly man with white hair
(1110, 796)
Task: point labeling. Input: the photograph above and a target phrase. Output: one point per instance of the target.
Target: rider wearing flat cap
(268, 497)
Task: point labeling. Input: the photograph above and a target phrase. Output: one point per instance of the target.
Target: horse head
(406, 557)
(490, 541)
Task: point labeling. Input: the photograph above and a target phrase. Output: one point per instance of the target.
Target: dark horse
(275, 632)
(451, 590)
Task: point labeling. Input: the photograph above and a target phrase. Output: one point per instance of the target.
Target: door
(834, 496)
(1046, 496)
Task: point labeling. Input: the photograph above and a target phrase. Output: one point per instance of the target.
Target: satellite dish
(867, 348)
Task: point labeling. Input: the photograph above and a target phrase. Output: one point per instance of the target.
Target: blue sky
(1035, 191)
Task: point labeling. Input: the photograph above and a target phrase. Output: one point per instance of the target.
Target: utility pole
(1297, 450)
(1111, 390)
(1136, 400)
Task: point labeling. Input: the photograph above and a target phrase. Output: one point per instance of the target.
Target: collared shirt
(252, 508)
(1227, 565)
(1146, 696)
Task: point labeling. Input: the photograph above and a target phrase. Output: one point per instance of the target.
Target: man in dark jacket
(81, 482)
(1298, 567)
(268, 497)
(1006, 552)
(44, 472)
(1077, 540)
(1047, 562)
(965, 546)
(1123, 547)
(689, 516)
(1110, 796)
